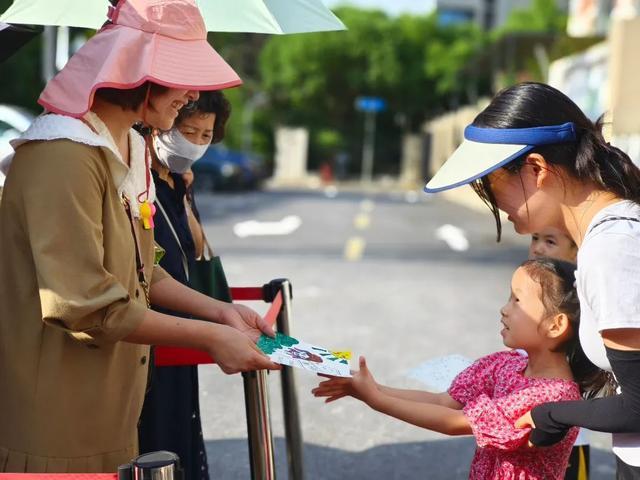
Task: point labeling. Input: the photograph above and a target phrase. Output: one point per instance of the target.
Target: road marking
(254, 228)
(354, 249)
(453, 236)
(411, 196)
(331, 191)
(362, 221)
(367, 205)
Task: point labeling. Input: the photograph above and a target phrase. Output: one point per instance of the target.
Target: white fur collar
(130, 181)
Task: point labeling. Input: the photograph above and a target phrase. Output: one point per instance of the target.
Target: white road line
(453, 236)
(254, 228)
(367, 205)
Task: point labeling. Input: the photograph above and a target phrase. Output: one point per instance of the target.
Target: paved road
(369, 274)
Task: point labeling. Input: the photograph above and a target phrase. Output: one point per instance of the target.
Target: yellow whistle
(147, 211)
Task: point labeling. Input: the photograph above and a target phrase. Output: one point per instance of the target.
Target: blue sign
(371, 104)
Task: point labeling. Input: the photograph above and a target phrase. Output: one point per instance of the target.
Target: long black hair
(556, 279)
(591, 159)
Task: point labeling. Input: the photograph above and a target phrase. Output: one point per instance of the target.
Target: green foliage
(541, 16)
(20, 77)
(410, 61)
(449, 52)
(328, 139)
(419, 67)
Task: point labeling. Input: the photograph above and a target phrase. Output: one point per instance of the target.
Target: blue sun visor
(487, 149)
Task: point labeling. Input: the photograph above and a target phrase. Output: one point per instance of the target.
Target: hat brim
(123, 57)
(473, 160)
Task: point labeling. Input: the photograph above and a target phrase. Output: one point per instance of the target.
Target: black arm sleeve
(615, 414)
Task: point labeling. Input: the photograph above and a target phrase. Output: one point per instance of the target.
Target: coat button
(143, 360)
(137, 293)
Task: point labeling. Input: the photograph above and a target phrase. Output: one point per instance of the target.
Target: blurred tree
(529, 40)
(410, 61)
(314, 79)
(20, 78)
(541, 16)
(447, 55)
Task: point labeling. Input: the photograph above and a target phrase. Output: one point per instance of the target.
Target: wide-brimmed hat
(162, 41)
(484, 150)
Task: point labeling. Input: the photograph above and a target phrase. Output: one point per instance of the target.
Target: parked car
(13, 121)
(223, 169)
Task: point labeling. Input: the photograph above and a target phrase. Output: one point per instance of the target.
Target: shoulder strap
(207, 251)
(185, 262)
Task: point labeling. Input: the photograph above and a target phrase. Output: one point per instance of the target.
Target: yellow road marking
(354, 249)
(362, 221)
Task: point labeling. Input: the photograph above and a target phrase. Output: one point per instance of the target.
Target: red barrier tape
(246, 293)
(58, 476)
(175, 356)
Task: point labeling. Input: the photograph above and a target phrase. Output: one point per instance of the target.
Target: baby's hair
(556, 279)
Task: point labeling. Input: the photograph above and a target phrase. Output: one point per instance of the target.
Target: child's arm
(408, 407)
(426, 415)
(443, 399)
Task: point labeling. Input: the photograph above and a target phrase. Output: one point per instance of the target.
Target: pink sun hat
(162, 41)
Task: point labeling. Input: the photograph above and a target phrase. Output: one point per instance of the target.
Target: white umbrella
(255, 16)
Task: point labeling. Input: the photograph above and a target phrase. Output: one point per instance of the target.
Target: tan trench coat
(70, 391)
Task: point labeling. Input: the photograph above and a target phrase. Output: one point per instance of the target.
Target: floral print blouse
(494, 393)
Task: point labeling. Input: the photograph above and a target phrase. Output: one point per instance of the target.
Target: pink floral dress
(494, 394)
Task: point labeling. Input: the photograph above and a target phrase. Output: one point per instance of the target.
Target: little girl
(541, 317)
(553, 242)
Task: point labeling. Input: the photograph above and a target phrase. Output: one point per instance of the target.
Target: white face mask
(176, 152)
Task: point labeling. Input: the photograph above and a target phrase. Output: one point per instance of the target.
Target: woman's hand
(361, 386)
(246, 320)
(234, 352)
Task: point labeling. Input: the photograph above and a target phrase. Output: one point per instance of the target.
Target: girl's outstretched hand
(361, 386)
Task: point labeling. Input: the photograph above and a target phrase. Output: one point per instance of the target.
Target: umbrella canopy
(12, 37)
(252, 16)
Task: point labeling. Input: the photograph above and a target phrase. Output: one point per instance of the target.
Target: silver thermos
(160, 465)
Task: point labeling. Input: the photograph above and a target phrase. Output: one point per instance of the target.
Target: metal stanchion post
(290, 401)
(259, 426)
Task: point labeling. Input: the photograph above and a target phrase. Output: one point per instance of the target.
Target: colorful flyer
(290, 351)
